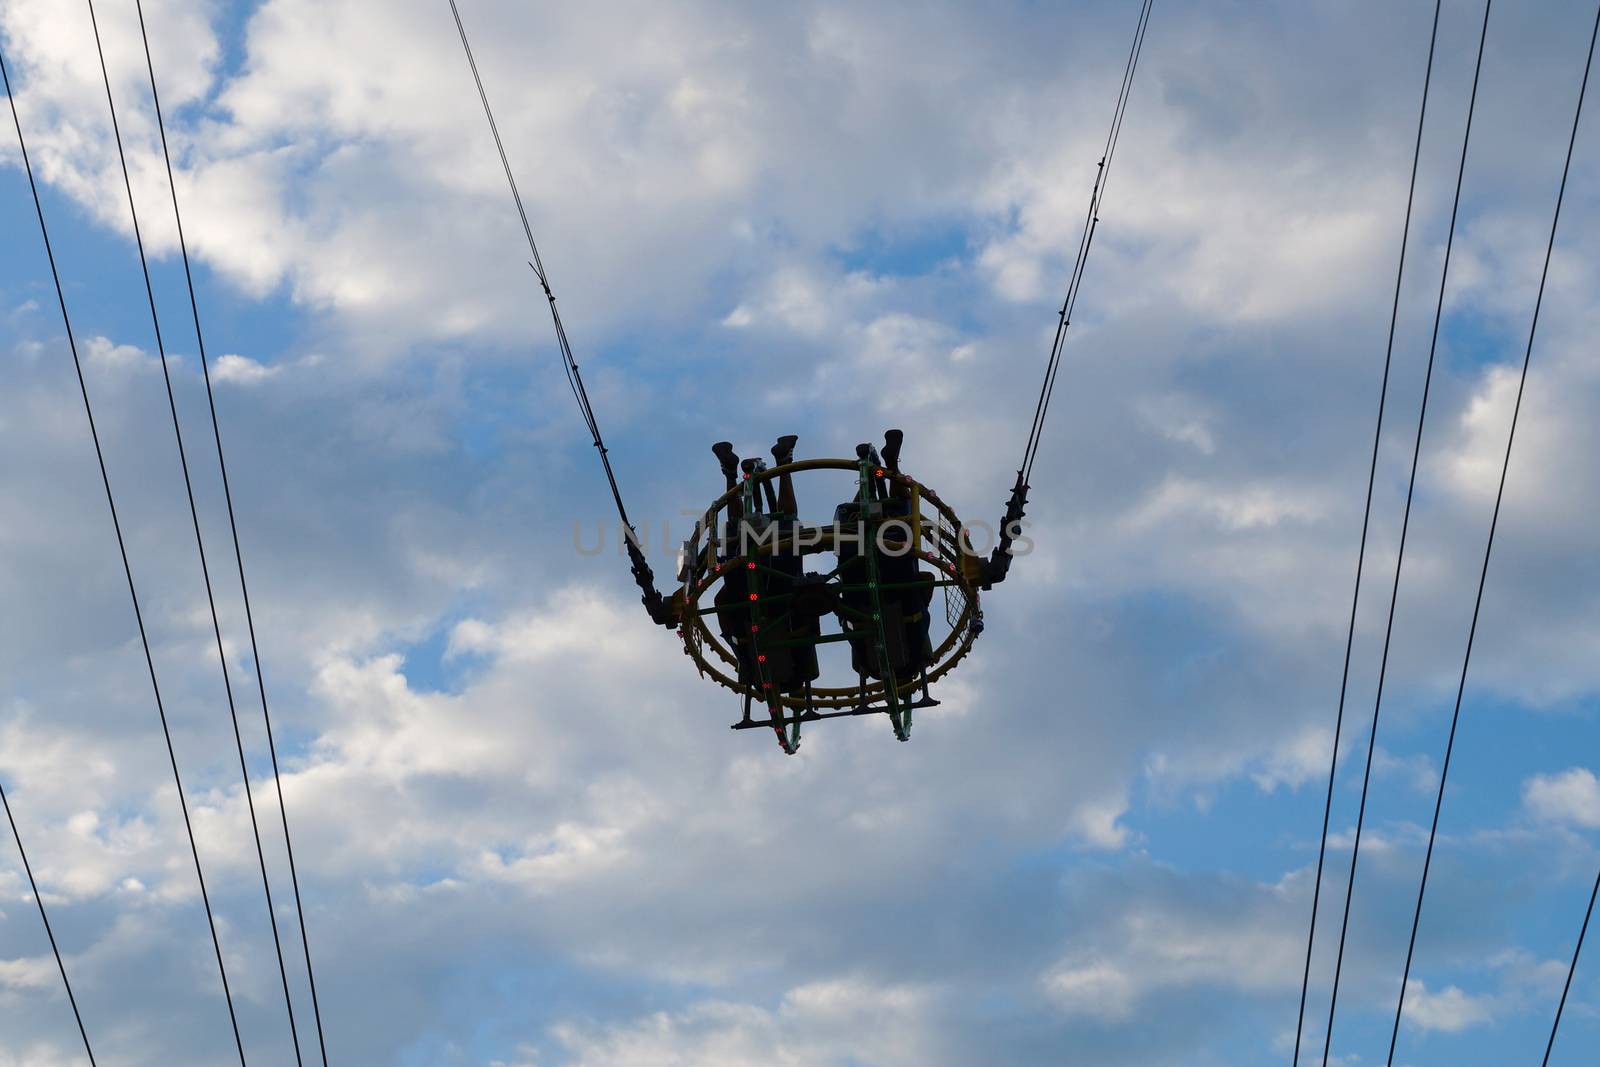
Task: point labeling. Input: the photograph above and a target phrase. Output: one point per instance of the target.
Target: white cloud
(1572, 796)
(241, 370)
(1099, 826)
(1301, 759)
(1417, 770)
(1148, 943)
(111, 356)
(1175, 417)
(39, 1055)
(1098, 989)
(835, 1022)
(36, 973)
(1229, 507)
(1450, 1010)
(800, 301)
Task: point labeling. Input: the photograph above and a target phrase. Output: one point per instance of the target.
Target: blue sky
(525, 833)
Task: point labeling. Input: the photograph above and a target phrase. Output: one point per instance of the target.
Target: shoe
(783, 451)
(892, 440)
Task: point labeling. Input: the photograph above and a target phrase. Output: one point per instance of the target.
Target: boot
(892, 440)
(782, 454)
(723, 450)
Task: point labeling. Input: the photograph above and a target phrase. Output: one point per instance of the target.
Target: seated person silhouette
(904, 590)
(768, 636)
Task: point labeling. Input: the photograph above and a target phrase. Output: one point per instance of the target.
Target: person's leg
(788, 559)
(892, 440)
(782, 455)
(865, 451)
(733, 620)
(723, 450)
(753, 467)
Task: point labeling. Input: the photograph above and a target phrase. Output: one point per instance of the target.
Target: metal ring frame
(944, 551)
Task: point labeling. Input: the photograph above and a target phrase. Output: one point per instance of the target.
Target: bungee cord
(999, 562)
(651, 597)
(1405, 526)
(1366, 523)
(1091, 223)
(1488, 549)
(127, 566)
(238, 555)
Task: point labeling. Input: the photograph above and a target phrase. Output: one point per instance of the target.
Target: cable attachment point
(999, 561)
(543, 282)
(663, 612)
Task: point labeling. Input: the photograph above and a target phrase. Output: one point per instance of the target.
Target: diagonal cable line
(1086, 237)
(1571, 970)
(238, 555)
(34, 886)
(127, 569)
(194, 516)
(1405, 526)
(1366, 523)
(537, 263)
(1091, 224)
(1488, 549)
(652, 599)
(568, 362)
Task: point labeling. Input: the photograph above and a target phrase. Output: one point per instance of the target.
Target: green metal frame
(891, 689)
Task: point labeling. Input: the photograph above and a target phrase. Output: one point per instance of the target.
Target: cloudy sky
(525, 834)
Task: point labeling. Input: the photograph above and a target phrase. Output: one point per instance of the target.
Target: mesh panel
(955, 598)
(955, 604)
